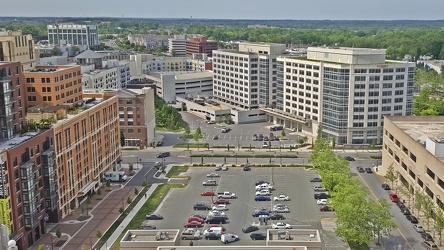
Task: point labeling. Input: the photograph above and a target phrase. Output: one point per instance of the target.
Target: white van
(216, 230)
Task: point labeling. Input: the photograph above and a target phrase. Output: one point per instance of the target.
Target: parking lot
(240, 134)
(294, 182)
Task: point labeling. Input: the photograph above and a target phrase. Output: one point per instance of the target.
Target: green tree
(130, 167)
(187, 130)
(58, 233)
(390, 174)
(108, 183)
(99, 234)
(144, 183)
(99, 191)
(419, 201)
(184, 137)
(41, 247)
(381, 221)
(283, 133)
(333, 142)
(428, 206)
(75, 49)
(439, 222)
(136, 191)
(129, 200)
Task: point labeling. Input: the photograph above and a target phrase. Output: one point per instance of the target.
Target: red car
(326, 209)
(200, 220)
(221, 201)
(193, 224)
(216, 225)
(208, 193)
(394, 197)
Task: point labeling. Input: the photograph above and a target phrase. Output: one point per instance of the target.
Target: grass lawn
(176, 170)
(149, 206)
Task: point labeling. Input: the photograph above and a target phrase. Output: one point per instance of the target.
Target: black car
(276, 216)
(368, 170)
(163, 154)
(154, 217)
(273, 128)
(260, 182)
(148, 227)
(249, 229)
(349, 158)
(216, 220)
(159, 143)
(400, 205)
(427, 237)
(405, 211)
(360, 169)
(315, 179)
(212, 236)
(385, 186)
(258, 236)
(254, 137)
(247, 168)
(321, 196)
(412, 219)
(201, 206)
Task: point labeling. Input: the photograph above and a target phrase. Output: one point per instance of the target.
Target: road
(145, 174)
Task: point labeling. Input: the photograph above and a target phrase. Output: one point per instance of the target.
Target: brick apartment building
(53, 85)
(200, 45)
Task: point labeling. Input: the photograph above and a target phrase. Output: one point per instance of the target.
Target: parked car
(215, 137)
(265, 145)
(201, 206)
(159, 143)
(249, 229)
(207, 193)
(349, 158)
(281, 197)
(260, 212)
(418, 228)
(280, 225)
(220, 208)
(427, 237)
(405, 211)
(429, 245)
(199, 216)
(224, 168)
(216, 220)
(198, 219)
(262, 198)
(326, 208)
(264, 192)
(319, 189)
(385, 186)
(321, 202)
(315, 179)
(217, 168)
(213, 175)
(211, 122)
(163, 154)
(321, 196)
(360, 169)
(261, 182)
(265, 138)
(254, 137)
(212, 236)
(221, 201)
(276, 216)
(148, 227)
(246, 168)
(368, 170)
(216, 226)
(193, 224)
(412, 219)
(209, 183)
(258, 236)
(227, 238)
(190, 234)
(154, 217)
(394, 197)
(280, 210)
(264, 186)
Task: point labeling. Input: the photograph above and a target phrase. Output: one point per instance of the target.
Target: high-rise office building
(16, 47)
(247, 77)
(347, 90)
(74, 34)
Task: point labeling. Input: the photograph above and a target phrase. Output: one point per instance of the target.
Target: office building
(149, 41)
(183, 84)
(414, 146)
(12, 104)
(53, 85)
(177, 45)
(200, 45)
(247, 77)
(16, 47)
(85, 36)
(347, 90)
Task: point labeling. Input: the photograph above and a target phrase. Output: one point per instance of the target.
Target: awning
(87, 188)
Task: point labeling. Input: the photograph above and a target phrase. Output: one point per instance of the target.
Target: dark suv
(216, 220)
(201, 206)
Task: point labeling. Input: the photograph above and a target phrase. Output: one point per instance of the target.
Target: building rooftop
(348, 50)
(420, 128)
(184, 75)
(89, 54)
(17, 141)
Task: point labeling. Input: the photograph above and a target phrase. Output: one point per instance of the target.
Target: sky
(231, 9)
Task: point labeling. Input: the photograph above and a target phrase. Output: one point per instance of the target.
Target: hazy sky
(231, 9)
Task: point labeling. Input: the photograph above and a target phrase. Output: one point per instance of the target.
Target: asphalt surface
(304, 212)
(145, 174)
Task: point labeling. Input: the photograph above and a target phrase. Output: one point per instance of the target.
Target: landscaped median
(244, 155)
(149, 206)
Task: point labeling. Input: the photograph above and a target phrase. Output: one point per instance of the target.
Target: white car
(224, 168)
(220, 208)
(418, 228)
(216, 213)
(321, 202)
(263, 192)
(280, 205)
(281, 197)
(319, 189)
(280, 225)
(264, 186)
(280, 210)
(213, 175)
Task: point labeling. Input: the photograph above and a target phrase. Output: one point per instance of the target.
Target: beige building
(415, 147)
(14, 46)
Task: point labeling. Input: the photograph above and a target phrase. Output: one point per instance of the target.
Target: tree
(144, 183)
(58, 233)
(187, 130)
(439, 223)
(122, 139)
(84, 247)
(108, 183)
(333, 142)
(136, 191)
(184, 137)
(381, 222)
(428, 205)
(75, 49)
(99, 191)
(130, 167)
(99, 234)
(283, 133)
(41, 247)
(390, 174)
(128, 200)
(419, 201)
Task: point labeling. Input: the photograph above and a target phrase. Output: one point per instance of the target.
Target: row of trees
(168, 117)
(359, 219)
(430, 99)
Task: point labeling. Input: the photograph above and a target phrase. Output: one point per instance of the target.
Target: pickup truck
(190, 234)
(226, 195)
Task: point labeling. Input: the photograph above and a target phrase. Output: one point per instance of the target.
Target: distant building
(172, 84)
(200, 45)
(90, 57)
(16, 47)
(74, 34)
(114, 55)
(149, 41)
(113, 75)
(177, 45)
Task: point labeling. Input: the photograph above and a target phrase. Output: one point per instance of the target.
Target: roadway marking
(376, 198)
